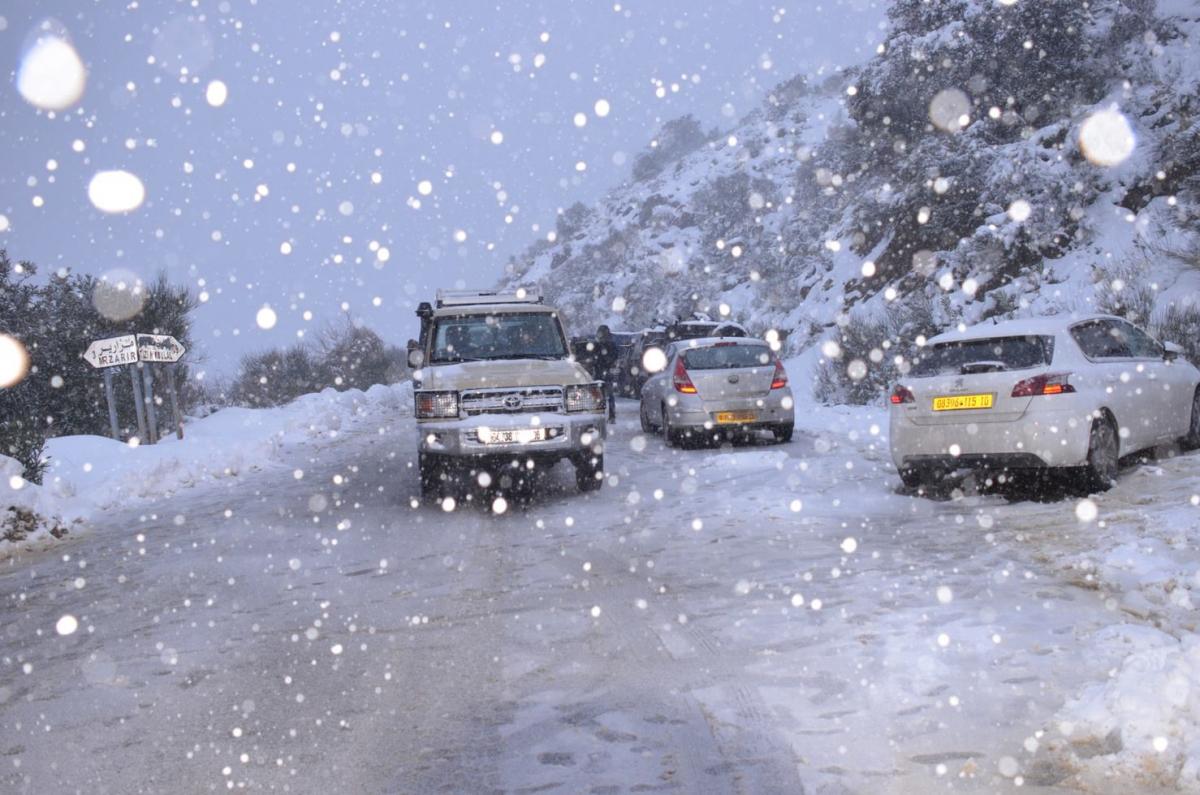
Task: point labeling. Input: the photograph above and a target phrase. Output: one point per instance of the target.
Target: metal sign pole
(175, 415)
(138, 405)
(151, 412)
(112, 403)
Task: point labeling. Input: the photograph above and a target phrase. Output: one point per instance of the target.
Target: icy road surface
(776, 619)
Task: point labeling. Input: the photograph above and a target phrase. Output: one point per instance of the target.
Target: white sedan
(716, 386)
(1063, 392)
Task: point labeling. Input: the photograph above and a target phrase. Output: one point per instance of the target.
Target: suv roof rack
(521, 295)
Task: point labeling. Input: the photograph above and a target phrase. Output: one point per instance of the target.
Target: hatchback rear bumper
(774, 409)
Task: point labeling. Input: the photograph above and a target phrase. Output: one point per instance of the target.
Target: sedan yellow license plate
(960, 402)
(731, 417)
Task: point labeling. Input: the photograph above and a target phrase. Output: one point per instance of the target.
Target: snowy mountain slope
(994, 159)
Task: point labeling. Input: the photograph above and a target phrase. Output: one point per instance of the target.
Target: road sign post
(176, 416)
(151, 412)
(159, 348)
(112, 352)
(138, 406)
(112, 403)
(106, 354)
(143, 352)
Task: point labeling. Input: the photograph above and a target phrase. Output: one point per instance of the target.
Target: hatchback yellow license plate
(960, 402)
(731, 417)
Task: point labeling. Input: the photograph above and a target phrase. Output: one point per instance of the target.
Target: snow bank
(1144, 720)
(88, 474)
(1143, 724)
(28, 515)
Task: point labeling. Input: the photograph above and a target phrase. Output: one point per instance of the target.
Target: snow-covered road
(756, 619)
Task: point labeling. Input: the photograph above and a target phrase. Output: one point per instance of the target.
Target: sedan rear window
(726, 357)
(984, 355)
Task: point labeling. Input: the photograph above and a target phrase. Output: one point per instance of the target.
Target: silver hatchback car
(717, 386)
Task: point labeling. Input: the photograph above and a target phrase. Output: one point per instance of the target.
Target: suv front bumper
(565, 435)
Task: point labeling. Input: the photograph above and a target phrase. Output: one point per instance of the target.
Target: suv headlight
(434, 405)
(585, 397)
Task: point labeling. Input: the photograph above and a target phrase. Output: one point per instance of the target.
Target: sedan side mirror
(1172, 350)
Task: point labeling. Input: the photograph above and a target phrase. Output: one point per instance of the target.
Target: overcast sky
(304, 189)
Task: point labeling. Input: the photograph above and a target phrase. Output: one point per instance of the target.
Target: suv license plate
(515, 436)
(960, 402)
(730, 417)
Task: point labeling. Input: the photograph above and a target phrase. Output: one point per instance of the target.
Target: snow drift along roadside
(87, 474)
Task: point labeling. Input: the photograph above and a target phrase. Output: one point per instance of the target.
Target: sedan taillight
(901, 394)
(1046, 384)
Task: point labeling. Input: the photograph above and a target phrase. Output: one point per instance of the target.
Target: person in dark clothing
(604, 362)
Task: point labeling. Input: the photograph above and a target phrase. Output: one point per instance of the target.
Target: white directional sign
(159, 348)
(112, 351)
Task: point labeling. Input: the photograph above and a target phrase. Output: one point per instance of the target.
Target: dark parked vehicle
(660, 336)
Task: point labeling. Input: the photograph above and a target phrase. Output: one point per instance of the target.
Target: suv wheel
(430, 473)
(589, 471)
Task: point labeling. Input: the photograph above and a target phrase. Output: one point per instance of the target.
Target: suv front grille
(525, 400)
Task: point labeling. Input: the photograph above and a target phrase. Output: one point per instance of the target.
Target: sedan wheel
(1192, 440)
(1100, 474)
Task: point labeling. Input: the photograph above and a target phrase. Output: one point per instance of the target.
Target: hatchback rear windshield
(984, 355)
(726, 357)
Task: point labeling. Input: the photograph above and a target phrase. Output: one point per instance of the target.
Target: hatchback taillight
(901, 394)
(779, 379)
(681, 379)
(1046, 384)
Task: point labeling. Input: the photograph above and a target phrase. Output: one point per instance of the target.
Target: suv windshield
(514, 335)
(726, 357)
(984, 355)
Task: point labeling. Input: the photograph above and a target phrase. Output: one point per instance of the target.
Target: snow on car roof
(492, 309)
(1026, 326)
(708, 342)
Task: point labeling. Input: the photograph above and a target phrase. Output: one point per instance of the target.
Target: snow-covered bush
(1179, 323)
(726, 207)
(346, 357)
(863, 365)
(676, 138)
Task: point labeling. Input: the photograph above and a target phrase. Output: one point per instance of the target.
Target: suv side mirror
(416, 358)
(1172, 350)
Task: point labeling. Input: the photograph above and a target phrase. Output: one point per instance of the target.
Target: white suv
(498, 393)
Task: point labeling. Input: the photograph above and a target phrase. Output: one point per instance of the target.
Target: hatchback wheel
(1192, 440)
(647, 425)
(673, 437)
(1100, 474)
(783, 433)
